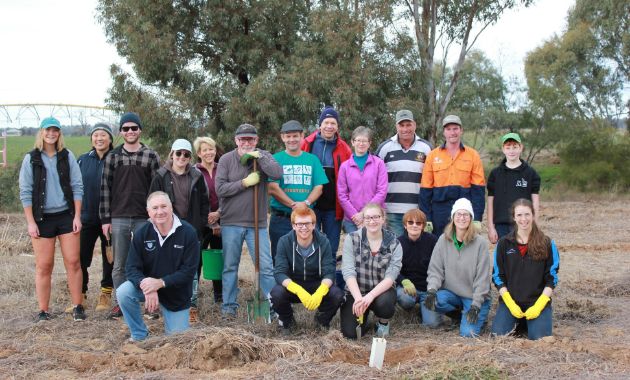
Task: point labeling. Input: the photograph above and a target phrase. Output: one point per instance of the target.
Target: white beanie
(462, 204)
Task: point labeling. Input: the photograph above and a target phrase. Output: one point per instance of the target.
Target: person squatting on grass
(459, 272)
(91, 164)
(526, 264)
(162, 261)
(417, 246)
(187, 192)
(370, 264)
(51, 191)
(304, 272)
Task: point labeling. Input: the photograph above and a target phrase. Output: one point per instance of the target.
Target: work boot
(193, 315)
(104, 300)
(70, 308)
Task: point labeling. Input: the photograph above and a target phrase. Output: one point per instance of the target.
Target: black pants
(89, 234)
(213, 242)
(383, 306)
(281, 300)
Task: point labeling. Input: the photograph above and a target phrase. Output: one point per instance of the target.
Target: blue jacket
(91, 172)
(175, 262)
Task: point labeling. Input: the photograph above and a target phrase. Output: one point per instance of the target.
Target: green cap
(511, 136)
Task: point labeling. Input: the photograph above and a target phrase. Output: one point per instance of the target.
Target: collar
(176, 223)
(461, 146)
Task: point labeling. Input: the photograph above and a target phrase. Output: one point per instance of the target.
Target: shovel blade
(258, 310)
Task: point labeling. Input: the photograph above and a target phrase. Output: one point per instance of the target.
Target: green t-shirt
(299, 176)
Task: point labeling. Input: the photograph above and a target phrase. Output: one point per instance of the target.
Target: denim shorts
(58, 223)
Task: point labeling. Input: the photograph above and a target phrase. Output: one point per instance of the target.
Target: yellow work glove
(477, 224)
(514, 309)
(534, 311)
(409, 287)
(255, 154)
(252, 179)
(316, 298)
(428, 227)
(299, 291)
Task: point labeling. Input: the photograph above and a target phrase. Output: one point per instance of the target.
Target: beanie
(328, 112)
(462, 204)
(102, 127)
(130, 117)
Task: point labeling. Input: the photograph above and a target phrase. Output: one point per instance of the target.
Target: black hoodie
(507, 185)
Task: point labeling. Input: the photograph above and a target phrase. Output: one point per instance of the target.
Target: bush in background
(596, 159)
(10, 194)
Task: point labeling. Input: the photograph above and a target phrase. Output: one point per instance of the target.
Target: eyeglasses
(373, 218)
(249, 140)
(361, 141)
(303, 225)
(185, 153)
(132, 128)
(412, 222)
(462, 215)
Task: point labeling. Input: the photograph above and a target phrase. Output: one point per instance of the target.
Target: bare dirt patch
(590, 339)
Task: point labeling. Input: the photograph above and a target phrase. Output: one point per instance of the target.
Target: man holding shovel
(235, 184)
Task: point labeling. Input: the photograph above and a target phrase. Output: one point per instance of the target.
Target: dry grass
(590, 339)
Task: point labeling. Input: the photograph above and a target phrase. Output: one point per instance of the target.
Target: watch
(308, 203)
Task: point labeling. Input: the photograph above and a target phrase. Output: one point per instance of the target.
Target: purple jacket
(357, 188)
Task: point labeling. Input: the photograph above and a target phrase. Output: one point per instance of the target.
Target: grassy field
(18, 146)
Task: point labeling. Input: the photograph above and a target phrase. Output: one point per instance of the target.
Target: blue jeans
(129, 298)
(278, 227)
(349, 226)
(233, 238)
(502, 229)
(504, 322)
(331, 227)
(121, 240)
(394, 223)
(448, 301)
(429, 318)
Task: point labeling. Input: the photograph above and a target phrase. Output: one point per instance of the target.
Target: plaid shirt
(371, 269)
(126, 181)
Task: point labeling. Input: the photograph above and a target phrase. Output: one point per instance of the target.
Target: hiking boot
(193, 315)
(115, 313)
(319, 326)
(151, 316)
(103, 301)
(70, 309)
(78, 314)
(382, 330)
(43, 316)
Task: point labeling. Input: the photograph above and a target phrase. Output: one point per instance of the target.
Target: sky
(57, 52)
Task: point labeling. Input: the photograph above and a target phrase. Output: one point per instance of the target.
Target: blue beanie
(130, 117)
(328, 112)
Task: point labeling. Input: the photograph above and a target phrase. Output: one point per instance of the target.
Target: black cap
(246, 130)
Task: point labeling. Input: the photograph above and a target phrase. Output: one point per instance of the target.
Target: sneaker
(70, 309)
(115, 313)
(103, 301)
(78, 314)
(193, 315)
(381, 330)
(151, 316)
(43, 316)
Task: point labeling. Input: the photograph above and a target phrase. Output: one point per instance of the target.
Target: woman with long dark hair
(526, 264)
(51, 191)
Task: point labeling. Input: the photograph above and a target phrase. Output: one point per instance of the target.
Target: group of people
(411, 215)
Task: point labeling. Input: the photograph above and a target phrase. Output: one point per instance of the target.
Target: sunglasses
(412, 222)
(185, 153)
(132, 128)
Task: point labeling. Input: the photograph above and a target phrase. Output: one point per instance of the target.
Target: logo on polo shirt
(510, 251)
(421, 157)
(178, 246)
(150, 245)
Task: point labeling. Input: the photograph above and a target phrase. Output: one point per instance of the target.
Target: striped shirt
(404, 172)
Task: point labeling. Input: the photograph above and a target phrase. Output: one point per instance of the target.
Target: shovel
(258, 308)
(108, 250)
(358, 328)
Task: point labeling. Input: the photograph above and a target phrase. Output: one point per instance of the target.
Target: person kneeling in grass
(162, 262)
(304, 271)
(526, 264)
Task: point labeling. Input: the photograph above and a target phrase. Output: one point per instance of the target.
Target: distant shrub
(10, 194)
(596, 159)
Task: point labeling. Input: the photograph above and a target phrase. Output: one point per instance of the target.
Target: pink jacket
(357, 188)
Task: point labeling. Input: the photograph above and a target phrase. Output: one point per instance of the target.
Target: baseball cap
(403, 115)
(511, 136)
(451, 119)
(292, 126)
(50, 122)
(181, 144)
(246, 130)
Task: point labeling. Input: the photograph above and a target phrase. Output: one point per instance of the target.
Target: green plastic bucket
(212, 260)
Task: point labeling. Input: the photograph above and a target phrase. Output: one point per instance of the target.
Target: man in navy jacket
(162, 261)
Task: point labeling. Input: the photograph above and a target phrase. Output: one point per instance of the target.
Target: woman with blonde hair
(51, 191)
(370, 264)
(459, 271)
